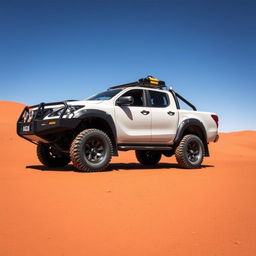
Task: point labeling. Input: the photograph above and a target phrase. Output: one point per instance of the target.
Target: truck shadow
(115, 167)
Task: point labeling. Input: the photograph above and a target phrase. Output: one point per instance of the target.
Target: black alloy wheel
(51, 157)
(91, 150)
(94, 150)
(190, 152)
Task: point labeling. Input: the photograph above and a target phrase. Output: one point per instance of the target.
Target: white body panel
(205, 118)
(131, 125)
(164, 122)
(157, 127)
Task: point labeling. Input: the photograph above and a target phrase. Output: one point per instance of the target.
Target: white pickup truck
(144, 116)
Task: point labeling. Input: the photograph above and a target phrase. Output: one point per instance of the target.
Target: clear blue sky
(56, 50)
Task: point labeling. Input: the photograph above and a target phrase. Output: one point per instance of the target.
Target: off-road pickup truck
(144, 116)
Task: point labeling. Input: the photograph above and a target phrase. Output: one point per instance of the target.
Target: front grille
(42, 113)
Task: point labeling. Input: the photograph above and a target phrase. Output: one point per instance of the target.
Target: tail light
(216, 119)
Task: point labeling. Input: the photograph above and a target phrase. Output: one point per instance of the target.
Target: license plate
(26, 128)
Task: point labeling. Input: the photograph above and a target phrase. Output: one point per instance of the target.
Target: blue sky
(206, 50)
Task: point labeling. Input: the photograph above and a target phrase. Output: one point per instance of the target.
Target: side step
(143, 147)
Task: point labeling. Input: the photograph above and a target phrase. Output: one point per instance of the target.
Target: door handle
(171, 113)
(144, 112)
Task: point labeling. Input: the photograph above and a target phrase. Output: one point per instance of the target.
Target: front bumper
(39, 130)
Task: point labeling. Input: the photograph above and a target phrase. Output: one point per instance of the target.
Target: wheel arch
(192, 126)
(92, 118)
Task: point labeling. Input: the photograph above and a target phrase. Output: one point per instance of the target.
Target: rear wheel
(190, 152)
(148, 157)
(50, 157)
(91, 150)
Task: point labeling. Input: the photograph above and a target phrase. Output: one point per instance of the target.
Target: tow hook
(216, 138)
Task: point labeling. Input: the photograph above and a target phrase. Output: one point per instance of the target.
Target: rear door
(164, 116)
(133, 122)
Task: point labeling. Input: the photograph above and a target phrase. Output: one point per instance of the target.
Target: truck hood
(84, 102)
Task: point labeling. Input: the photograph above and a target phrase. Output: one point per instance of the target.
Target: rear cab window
(158, 99)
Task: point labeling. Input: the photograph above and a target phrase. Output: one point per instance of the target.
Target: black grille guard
(40, 109)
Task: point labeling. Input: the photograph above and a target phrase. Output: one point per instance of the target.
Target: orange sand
(127, 210)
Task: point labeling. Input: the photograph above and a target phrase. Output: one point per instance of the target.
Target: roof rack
(149, 81)
(152, 82)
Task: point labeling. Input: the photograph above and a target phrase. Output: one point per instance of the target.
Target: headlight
(56, 112)
(70, 110)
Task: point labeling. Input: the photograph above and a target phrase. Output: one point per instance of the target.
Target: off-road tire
(84, 152)
(50, 157)
(148, 157)
(190, 152)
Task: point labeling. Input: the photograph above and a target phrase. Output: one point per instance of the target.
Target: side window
(137, 96)
(158, 99)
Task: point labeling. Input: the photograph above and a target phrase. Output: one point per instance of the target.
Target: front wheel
(190, 152)
(148, 157)
(91, 150)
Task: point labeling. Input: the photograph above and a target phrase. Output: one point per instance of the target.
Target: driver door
(133, 122)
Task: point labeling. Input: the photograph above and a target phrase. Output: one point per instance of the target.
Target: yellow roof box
(151, 82)
(148, 81)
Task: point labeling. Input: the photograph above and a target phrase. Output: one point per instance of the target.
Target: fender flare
(199, 126)
(95, 113)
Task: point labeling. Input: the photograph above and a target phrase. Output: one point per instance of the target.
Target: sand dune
(127, 210)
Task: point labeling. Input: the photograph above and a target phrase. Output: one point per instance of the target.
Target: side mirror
(125, 100)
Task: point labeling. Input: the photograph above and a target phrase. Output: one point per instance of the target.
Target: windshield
(107, 95)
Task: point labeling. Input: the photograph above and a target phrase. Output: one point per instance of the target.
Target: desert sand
(128, 210)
